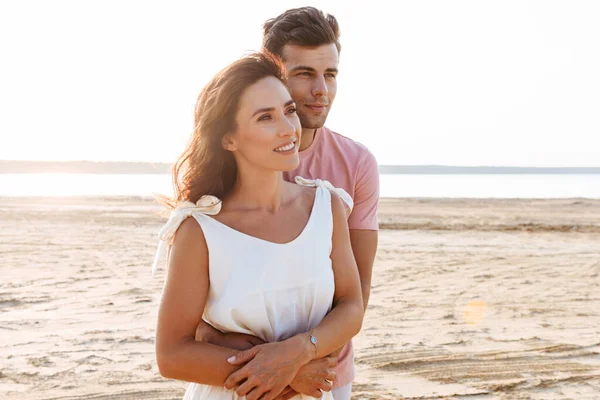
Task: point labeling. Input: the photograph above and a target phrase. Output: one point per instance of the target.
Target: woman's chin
(291, 167)
(290, 164)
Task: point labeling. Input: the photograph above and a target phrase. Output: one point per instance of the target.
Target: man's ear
(228, 142)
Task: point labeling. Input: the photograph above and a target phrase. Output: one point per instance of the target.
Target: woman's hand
(287, 394)
(269, 368)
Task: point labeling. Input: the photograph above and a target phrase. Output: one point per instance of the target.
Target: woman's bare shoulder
(305, 194)
(190, 233)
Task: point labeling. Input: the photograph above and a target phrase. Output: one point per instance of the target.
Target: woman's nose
(286, 128)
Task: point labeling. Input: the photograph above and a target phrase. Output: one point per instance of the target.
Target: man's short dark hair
(306, 26)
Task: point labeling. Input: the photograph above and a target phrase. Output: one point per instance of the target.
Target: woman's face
(268, 128)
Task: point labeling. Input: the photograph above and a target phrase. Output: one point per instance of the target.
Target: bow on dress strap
(209, 205)
(327, 185)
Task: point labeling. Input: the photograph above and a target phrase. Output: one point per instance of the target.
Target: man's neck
(308, 137)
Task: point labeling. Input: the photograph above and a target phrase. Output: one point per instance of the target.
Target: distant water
(465, 186)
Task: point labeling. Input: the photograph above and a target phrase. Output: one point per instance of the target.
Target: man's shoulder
(348, 146)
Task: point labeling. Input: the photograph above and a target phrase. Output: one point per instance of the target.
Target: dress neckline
(297, 238)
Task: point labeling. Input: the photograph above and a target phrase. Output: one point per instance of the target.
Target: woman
(261, 256)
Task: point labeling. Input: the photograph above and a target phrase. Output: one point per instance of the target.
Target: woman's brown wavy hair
(205, 167)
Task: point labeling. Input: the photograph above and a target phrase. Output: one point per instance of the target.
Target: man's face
(312, 80)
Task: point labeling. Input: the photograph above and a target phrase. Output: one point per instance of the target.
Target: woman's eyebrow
(268, 109)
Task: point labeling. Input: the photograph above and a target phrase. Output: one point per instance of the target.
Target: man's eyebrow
(270, 109)
(311, 69)
(303, 68)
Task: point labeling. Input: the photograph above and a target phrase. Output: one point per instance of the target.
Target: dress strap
(208, 205)
(327, 185)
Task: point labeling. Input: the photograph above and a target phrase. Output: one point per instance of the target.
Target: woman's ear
(228, 142)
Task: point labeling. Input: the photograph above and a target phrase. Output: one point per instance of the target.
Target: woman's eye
(264, 117)
(292, 110)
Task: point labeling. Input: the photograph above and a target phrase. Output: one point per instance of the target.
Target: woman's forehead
(267, 92)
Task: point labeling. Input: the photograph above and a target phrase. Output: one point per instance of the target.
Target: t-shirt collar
(315, 143)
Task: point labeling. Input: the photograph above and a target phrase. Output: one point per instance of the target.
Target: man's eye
(305, 73)
(264, 117)
(330, 76)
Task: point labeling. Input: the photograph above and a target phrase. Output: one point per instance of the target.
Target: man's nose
(320, 87)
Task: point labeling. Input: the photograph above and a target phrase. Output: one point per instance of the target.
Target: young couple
(269, 280)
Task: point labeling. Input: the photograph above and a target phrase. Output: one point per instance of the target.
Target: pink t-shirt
(351, 166)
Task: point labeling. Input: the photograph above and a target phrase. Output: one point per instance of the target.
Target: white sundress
(269, 290)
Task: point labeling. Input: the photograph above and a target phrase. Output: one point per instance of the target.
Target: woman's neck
(259, 190)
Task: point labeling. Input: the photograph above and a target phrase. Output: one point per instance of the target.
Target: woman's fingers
(287, 394)
(257, 394)
(236, 379)
(245, 388)
(270, 367)
(269, 396)
(243, 356)
(286, 391)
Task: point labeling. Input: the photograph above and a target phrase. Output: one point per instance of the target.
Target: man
(308, 42)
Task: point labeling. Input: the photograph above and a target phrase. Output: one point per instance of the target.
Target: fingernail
(231, 359)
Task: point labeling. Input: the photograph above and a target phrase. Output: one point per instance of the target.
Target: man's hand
(237, 341)
(206, 333)
(315, 376)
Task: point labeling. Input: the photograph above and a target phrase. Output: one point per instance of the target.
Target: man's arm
(363, 223)
(238, 341)
(364, 247)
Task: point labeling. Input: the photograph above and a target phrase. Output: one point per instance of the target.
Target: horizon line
(380, 165)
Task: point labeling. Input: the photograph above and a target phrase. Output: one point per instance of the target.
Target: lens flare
(474, 311)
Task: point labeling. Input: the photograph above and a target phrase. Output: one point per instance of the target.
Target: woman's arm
(337, 328)
(178, 355)
(345, 319)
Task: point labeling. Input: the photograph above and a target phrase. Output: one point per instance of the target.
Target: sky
(421, 82)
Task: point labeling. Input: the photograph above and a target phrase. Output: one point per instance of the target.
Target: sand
(471, 299)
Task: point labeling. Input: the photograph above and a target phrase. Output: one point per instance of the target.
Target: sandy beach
(471, 299)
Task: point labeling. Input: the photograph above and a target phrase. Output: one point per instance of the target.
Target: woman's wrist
(306, 349)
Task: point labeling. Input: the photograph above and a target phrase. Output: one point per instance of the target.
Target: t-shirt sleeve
(366, 195)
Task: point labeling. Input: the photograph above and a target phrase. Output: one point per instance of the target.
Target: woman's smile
(288, 148)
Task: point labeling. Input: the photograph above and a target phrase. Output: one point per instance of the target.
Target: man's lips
(316, 107)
